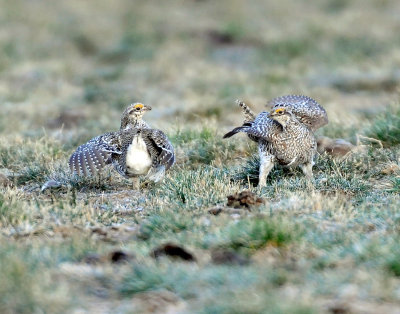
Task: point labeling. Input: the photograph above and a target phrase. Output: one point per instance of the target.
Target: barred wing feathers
(91, 157)
(160, 148)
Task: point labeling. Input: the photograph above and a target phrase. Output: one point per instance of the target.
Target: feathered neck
(129, 123)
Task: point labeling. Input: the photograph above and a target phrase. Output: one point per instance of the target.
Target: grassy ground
(67, 70)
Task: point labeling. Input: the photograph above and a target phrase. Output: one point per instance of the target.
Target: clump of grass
(249, 172)
(35, 172)
(14, 156)
(204, 146)
(30, 160)
(396, 185)
(191, 188)
(386, 127)
(11, 210)
(345, 175)
(143, 278)
(251, 234)
(166, 223)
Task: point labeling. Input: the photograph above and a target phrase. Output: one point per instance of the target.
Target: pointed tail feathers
(236, 130)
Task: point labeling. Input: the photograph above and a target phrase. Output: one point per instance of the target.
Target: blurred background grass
(191, 59)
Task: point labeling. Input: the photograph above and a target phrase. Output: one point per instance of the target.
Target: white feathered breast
(138, 159)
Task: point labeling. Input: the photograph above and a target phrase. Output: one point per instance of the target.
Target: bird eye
(137, 108)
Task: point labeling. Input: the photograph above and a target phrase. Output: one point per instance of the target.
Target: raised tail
(249, 115)
(242, 128)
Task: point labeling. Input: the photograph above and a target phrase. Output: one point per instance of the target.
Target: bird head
(281, 115)
(137, 110)
(133, 114)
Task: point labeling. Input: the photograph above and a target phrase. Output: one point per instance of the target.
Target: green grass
(393, 266)
(204, 146)
(253, 234)
(190, 188)
(10, 210)
(386, 127)
(29, 284)
(186, 282)
(396, 185)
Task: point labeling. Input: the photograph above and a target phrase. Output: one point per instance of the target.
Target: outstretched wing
(160, 148)
(89, 158)
(306, 109)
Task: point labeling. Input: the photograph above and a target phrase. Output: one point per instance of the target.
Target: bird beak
(275, 112)
(148, 108)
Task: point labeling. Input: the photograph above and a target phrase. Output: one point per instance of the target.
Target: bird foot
(261, 185)
(145, 184)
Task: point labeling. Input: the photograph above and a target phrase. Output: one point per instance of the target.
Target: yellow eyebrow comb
(139, 106)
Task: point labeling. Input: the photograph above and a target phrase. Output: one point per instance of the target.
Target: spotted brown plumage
(285, 134)
(135, 150)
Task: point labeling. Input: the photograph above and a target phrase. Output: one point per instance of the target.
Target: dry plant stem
(370, 139)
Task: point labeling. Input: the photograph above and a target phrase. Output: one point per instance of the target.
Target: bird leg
(136, 183)
(266, 164)
(307, 170)
(156, 174)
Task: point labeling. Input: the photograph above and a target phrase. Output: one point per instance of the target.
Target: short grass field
(67, 71)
